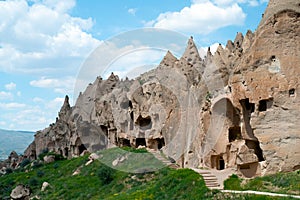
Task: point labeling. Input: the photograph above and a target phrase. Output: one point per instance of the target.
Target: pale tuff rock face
(238, 108)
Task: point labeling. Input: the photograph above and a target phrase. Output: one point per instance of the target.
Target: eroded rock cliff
(237, 108)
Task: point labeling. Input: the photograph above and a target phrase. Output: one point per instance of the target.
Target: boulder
(49, 159)
(21, 192)
(44, 186)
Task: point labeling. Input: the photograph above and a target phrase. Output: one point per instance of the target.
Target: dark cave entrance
(221, 164)
(217, 162)
(234, 133)
(66, 152)
(144, 123)
(292, 92)
(247, 105)
(123, 142)
(161, 143)
(140, 142)
(81, 148)
(265, 104)
(156, 144)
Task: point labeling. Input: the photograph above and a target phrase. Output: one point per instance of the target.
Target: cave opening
(104, 129)
(217, 162)
(156, 144)
(81, 148)
(66, 152)
(234, 133)
(221, 163)
(265, 104)
(292, 92)
(140, 142)
(251, 144)
(144, 123)
(123, 142)
(249, 106)
(262, 105)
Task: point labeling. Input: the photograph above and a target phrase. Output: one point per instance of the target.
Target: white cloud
(132, 11)
(30, 117)
(55, 104)
(10, 86)
(204, 16)
(6, 95)
(11, 106)
(230, 2)
(43, 37)
(201, 18)
(64, 85)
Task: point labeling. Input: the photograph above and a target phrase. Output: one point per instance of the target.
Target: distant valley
(14, 141)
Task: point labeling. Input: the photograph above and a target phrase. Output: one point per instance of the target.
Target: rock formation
(238, 108)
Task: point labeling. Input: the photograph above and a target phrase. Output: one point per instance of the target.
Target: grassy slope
(285, 183)
(97, 181)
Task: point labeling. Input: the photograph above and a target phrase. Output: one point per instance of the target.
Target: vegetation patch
(285, 183)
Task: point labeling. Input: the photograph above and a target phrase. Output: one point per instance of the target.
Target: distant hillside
(14, 141)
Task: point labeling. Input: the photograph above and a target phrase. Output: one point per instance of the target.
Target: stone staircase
(213, 178)
(210, 180)
(159, 156)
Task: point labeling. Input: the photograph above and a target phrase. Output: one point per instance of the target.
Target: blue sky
(44, 43)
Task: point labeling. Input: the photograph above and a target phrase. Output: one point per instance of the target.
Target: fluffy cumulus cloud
(6, 95)
(36, 35)
(64, 85)
(10, 86)
(204, 16)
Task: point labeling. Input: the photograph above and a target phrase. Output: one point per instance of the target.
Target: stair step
(210, 178)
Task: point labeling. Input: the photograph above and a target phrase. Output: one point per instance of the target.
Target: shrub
(8, 171)
(105, 174)
(55, 165)
(233, 183)
(36, 164)
(33, 182)
(25, 162)
(40, 173)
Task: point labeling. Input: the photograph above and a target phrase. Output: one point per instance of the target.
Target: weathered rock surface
(238, 108)
(21, 192)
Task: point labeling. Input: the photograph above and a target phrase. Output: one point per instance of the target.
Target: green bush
(33, 181)
(8, 171)
(233, 183)
(40, 173)
(25, 162)
(105, 174)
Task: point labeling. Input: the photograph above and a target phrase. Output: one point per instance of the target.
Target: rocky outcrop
(21, 192)
(238, 108)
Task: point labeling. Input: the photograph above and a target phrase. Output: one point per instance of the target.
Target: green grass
(285, 183)
(99, 181)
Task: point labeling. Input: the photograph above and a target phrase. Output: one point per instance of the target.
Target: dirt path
(260, 193)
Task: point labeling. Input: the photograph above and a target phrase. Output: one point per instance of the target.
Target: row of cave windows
(262, 106)
(157, 143)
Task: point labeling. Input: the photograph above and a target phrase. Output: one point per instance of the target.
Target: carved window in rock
(144, 123)
(265, 104)
(140, 142)
(292, 92)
